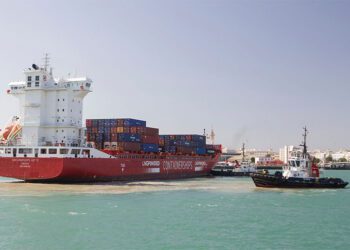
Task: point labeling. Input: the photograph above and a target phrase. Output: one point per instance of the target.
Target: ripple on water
(12, 188)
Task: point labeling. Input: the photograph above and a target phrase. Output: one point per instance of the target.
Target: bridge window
(37, 78)
(43, 151)
(25, 150)
(52, 151)
(86, 152)
(8, 150)
(64, 151)
(75, 151)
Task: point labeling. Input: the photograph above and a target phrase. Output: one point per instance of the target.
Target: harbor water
(203, 213)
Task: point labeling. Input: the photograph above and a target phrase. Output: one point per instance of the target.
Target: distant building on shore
(258, 155)
(286, 152)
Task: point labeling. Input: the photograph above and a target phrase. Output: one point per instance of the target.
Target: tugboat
(245, 168)
(300, 172)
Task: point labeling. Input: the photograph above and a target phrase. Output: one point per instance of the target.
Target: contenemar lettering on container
(175, 165)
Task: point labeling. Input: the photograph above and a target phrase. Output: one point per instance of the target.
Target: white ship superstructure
(50, 109)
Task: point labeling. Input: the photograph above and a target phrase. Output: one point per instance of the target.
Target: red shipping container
(184, 150)
(151, 131)
(152, 139)
(216, 147)
(114, 137)
(126, 146)
(120, 122)
(161, 141)
(126, 130)
(140, 130)
(88, 123)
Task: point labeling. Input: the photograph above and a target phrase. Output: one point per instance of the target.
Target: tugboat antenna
(304, 142)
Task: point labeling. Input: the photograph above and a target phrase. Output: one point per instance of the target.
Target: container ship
(47, 141)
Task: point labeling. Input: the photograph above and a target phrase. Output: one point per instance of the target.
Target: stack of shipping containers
(131, 135)
(187, 144)
(183, 144)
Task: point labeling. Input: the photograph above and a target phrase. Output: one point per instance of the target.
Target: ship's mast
(243, 152)
(46, 60)
(303, 144)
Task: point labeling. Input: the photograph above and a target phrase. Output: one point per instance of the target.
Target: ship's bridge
(50, 108)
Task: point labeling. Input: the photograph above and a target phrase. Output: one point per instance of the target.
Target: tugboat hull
(272, 181)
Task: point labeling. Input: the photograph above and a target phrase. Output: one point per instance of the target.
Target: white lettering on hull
(200, 164)
(153, 170)
(24, 163)
(177, 165)
(198, 169)
(151, 164)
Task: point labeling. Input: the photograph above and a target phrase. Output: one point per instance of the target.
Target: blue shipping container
(148, 147)
(126, 137)
(199, 138)
(170, 149)
(201, 151)
(134, 123)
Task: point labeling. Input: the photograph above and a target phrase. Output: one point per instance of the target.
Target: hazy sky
(257, 71)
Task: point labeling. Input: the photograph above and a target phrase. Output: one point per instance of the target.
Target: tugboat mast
(304, 143)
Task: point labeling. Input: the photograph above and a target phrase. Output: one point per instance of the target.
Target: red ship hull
(75, 170)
